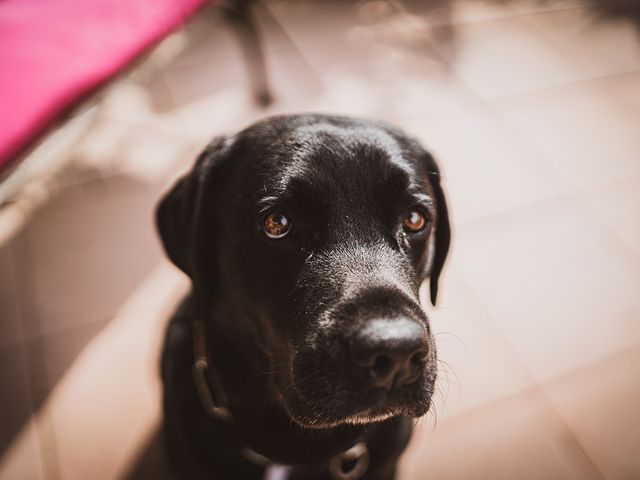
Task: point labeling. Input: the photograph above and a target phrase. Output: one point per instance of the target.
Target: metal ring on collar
(359, 454)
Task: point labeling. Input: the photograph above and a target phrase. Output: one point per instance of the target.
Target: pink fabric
(54, 51)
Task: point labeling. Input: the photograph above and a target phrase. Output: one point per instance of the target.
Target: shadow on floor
(65, 276)
(151, 463)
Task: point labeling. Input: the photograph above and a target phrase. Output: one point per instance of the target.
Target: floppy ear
(180, 214)
(443, 230)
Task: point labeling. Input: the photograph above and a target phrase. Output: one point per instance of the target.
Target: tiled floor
(533, 109)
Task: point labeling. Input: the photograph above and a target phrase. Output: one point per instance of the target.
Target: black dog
(303, 342)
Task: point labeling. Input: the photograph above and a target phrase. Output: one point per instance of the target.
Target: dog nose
(391, 352)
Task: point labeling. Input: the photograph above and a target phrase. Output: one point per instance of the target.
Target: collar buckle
(350, 465)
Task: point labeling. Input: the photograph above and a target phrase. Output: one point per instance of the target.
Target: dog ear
(180, 214)
(443, 230)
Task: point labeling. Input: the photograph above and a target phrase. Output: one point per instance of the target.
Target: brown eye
(414, 222)
(276, 225)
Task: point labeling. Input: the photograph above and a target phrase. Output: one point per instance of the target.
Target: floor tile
(206, 38)
(88, 247)
(50, 356)
(626, 86)
(561, 286)
(151, 462)
(114, 148)
(202, 89)
(111, 421)
(149, 154)
(486, 167)
(618, 205)
(349, 35)
(142, 99)
(380, 68)
(379, 83)
(518, 437)
(22, 459)
(599, 404)
(536, 6)
(582, 130)
(456, 12)
(604, 46)
(476, 364)
(382, 65)
(310, 25)
(211, 37)
(11, 330)
(490, 57)
(15, 401)
(48, 446)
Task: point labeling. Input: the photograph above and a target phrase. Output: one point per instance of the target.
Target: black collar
(351, 464)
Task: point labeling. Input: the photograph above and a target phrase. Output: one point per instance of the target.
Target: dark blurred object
(239, 14)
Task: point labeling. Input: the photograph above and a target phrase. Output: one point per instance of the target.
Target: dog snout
(390, 352)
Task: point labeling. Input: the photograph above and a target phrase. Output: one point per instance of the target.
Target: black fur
(279, 314)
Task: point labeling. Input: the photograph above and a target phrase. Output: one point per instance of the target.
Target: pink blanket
(52, 52)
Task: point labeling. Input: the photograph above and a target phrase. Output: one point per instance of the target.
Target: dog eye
(276, 225)
(414, 221)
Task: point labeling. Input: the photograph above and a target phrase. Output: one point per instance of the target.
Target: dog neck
(239, 398)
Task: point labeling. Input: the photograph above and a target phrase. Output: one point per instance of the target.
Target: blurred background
(532, 109)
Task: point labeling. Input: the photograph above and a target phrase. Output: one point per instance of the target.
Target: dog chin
(359, 419)
(365, 417)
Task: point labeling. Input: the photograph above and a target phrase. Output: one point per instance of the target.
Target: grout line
(522, 16)
(559, 86)
(502, 213)
(579, 452)
(624, 243)
(275, 24)
(513, 14)
(45, 441)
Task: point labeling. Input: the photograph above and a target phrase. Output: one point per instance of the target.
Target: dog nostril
(419, 359)
(381, 365)
(390, 353)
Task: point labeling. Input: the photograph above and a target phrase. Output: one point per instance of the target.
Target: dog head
(313, 235)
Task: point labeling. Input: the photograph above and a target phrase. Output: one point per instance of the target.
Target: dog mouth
(325, 401)
(363, 359)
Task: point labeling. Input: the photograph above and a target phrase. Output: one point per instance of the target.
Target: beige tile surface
(490, 57)
(517, 437)
(487, 168)
(599, 404)
(603, 47)
(50, 356)
(11, 330)
(374, 80)
(537, 6)
(464, 11)
(313, 25)
(477, 365)
(383, 65)
(203, 90)
(97, 241)
(618, 206)
(562, 288)
(581, 130)
(112, 419)
(16, 400)
(627, 86)
(22, 460)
